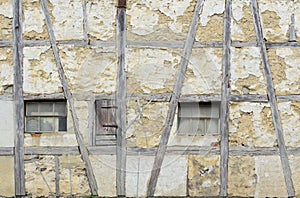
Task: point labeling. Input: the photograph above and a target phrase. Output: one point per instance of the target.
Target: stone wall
(156, 31)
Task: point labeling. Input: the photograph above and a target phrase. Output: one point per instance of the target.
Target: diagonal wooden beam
(272, 100)
(121, 99)
(162, 147)
(225, 100)
(82, 148)
(18, 99)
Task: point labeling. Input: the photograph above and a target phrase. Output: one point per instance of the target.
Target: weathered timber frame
(225, 100)
(19, 167)
(272, 100)
(121, 99)
(82, 148)
(187, 50)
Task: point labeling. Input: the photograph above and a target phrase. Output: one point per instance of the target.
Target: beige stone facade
(87, 41)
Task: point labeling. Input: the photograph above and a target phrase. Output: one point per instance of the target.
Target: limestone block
(290, 115)
(295, 169)
(83, 117)
(34, 26)
(138, 171)
(246, 72)
(89, 69)
(241, 176)
(211, 25)
(251, 125)
(6, 69)
(163, 20)
(101, 19)
(203, 175)
(6, 15)
(270, 179)
(203, 75)
(7, 187)
(242, 25)
(7, 127)
(145, 131)
(72, 174)
(172, 179)
(40, 71)
(151, 70)
(284, 63)
(276, 17)
(67, 19)
(104, 167)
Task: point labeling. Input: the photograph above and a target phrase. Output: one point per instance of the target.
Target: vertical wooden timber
(82, 148)
(272, 100)
(121, 99)
(162, 147)
(18, 99)
(57, 177)
(225, 100)
(85, 32)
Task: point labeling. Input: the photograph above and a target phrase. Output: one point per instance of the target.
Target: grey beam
(160, 153)
(272, 100)
(82, 148)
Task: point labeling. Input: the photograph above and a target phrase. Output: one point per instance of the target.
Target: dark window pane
(212, 126)
(60, 109)
(46, 108)
(62, 124)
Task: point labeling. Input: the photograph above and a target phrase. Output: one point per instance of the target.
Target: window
(106, 126)
(198, 118)
(45, 116)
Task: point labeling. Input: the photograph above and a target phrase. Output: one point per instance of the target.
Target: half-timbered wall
(145, 57)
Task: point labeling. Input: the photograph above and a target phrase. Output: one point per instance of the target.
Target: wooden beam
(85, 31)
(121, 99)
(161, 150)
(272, 99)
(225, 100)
(82, 148)
(19, 168)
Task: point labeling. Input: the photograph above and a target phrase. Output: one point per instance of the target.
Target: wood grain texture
(225, 99)
(19, 168)
(161, 150)
(82, 148)
(121, 102)
(57, 176)
(272, 100)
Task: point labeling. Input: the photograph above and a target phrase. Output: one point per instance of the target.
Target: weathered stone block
(247, 72)
(151, 70)
(284, 63)
(7, 187)
(6, 15)
(241, 176)
(159, 20)
(172, 178)
(7, 126)
(203, 175)
(104, 167)
(270, 179)
(211, 25)
(290, 114)
(203, 75)
(242, 28)
(6, 69)
(145, 131)
(101, 19)
(138, 171)
(251, 125)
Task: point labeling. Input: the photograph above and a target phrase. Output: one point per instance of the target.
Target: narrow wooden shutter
(106, 123)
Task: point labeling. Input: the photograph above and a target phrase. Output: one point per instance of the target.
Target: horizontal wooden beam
(152, 44)
(171, 150)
